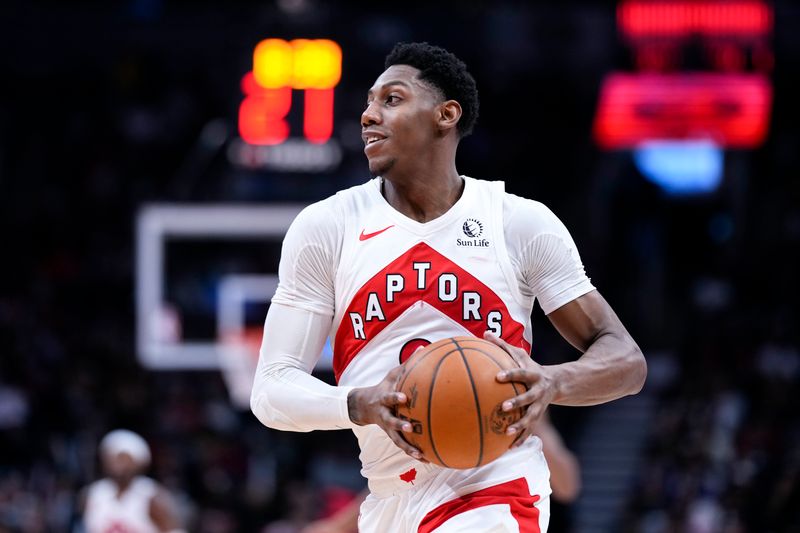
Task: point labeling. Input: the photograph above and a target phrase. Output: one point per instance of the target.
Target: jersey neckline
(423, 228)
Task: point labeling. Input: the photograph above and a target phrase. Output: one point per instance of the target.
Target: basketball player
(417, 254)
(125, 501)
(565, 481)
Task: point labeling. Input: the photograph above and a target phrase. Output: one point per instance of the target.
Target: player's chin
(379, 166)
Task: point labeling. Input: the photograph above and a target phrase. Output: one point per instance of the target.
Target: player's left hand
(540, 385)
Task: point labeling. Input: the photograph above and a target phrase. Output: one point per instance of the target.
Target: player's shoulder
(146, 483)
(324, 222)
(97, 486)
(99, 489)
(102, 483)
(484, 185)
(531, 216)
(515, 207)
(359, 191)
(527, 205)
(318, 213)
(317, 222)
(331, 211)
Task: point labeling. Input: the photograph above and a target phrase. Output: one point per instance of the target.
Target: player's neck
(425, 195)
(122, 485)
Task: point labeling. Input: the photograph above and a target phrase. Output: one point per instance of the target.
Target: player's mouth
(372, 140)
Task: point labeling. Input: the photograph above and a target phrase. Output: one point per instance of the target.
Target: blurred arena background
(153, 152)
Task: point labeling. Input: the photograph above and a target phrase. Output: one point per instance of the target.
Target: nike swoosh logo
(365, 236)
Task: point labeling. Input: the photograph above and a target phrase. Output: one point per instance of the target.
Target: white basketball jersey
(401, 284)
(128, 513)
(393, 284)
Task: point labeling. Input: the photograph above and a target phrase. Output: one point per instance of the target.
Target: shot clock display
(279, 68)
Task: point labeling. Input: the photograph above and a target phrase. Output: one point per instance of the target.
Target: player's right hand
(377, 405)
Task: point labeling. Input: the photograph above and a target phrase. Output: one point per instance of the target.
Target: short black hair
(445, 72)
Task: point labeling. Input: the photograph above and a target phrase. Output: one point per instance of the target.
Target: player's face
(120, 466)
(399, 122)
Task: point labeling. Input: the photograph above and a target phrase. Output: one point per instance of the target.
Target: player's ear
(449, 115)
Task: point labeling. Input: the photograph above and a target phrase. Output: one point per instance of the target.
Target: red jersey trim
(515, 493)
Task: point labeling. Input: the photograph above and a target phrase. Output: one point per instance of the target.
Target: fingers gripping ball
(454, 401)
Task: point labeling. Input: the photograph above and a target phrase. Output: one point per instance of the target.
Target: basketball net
(238, 355)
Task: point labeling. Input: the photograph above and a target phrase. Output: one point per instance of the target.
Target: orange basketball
(454, 401)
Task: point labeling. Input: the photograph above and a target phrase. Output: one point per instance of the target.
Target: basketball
(454, 401)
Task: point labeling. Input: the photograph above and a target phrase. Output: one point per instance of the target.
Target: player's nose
(370, 116)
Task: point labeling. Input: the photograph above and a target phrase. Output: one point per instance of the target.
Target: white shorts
(512, 494)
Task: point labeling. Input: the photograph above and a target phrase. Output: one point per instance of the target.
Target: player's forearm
(285, 395)
(290, 399)
(611, 368)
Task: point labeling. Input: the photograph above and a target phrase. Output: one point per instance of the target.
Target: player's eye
(393, 99)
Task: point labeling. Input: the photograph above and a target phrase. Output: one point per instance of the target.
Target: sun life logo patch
(472, 228)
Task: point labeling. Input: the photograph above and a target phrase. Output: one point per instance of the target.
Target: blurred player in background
(417, 254)
(565, 481)
(125, 501)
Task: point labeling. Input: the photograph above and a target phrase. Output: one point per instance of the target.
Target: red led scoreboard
(280, 68)
(729, 103)
(289, 80)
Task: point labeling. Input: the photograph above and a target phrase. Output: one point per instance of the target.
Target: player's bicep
(309, 257)
(306, 280)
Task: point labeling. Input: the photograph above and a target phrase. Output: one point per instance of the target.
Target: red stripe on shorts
(514, 493)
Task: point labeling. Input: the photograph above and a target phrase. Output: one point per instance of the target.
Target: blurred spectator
(125, 500)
